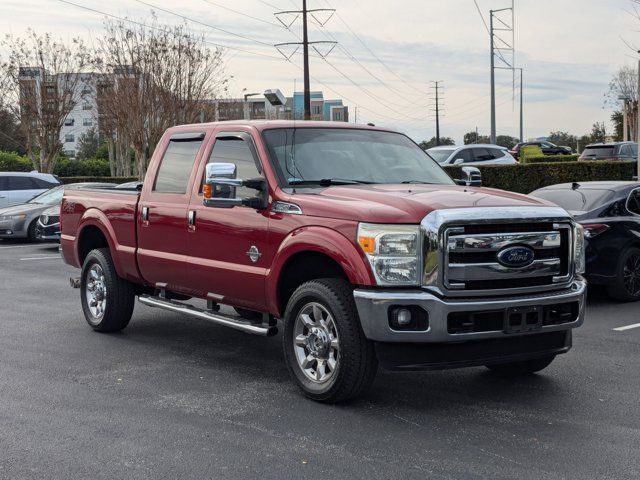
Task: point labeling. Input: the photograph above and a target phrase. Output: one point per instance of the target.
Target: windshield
(349, 155)
(600, 151)
(440, 154)
(578, 200)
(50, 197)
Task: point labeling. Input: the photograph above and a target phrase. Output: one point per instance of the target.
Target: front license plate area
(523, 319)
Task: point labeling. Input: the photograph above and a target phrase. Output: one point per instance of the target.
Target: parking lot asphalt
(178, 398)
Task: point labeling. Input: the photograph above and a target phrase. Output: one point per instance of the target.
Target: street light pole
(493, 81)
(638, 124)
(521, 115)
(305, 46)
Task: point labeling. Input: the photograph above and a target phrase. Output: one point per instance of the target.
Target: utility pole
(521, 115)
(305, 45)
(493, 81)
(305, 53)
(438, 89)
(638, 121)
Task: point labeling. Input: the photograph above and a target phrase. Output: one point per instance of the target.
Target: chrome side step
(215, 317)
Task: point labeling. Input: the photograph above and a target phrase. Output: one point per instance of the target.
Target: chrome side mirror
(471, 177)
(220, 188)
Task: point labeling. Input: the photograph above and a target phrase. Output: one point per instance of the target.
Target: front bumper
(16, 227)
(48, 232)
(374, 306)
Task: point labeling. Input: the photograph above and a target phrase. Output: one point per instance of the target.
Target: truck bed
(114, 209)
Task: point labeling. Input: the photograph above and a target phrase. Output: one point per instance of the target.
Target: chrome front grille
(470, 256)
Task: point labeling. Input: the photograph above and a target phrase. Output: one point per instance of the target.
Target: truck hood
(401, 203)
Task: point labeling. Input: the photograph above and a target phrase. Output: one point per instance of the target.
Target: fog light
(403, 317)
(9, 232)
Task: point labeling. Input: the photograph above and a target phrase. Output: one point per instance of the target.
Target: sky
(389, 52)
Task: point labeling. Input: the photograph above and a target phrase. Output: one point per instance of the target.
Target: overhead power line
(134, 22)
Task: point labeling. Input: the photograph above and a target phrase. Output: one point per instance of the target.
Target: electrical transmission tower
(438, 110)
(315, 14)
(499, 27)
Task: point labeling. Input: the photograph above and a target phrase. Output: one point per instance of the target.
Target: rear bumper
(439, 356)
(374, 307)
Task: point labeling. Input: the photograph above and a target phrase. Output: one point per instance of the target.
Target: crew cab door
(220, 240)
(162, 212)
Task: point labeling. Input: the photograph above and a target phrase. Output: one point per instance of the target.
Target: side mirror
(220, 188)
(458, 161)
(471, 177)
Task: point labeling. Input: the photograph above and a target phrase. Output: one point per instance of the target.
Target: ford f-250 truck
(351, 237)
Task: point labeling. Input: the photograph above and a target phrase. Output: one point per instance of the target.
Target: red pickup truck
(350, 237)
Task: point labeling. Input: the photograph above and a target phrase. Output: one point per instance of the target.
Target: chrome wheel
(316, 343)
(96, 292)
(631, 275)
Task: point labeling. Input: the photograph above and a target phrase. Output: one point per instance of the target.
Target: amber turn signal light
(368, 244)
(207, 190)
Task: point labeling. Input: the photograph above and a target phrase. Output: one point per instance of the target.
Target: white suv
(474, 154)
(20, 187)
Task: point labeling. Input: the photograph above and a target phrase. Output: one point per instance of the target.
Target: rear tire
(627, 285)
(107, 300)
(325, 349)
(523, 367)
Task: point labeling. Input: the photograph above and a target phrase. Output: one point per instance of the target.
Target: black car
(610, 151)
(547, 148)
(610, 215)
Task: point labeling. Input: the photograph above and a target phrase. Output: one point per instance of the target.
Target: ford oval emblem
(515, 257)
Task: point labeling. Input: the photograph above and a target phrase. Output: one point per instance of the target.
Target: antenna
(293, 139)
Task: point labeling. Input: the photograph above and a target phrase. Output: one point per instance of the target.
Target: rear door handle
(191, 218)
(145, 214)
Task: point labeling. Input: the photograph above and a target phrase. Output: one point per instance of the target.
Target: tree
(153, 76)
(11, 138)
(39, 82)
(617, 120)
(473, 137)
(598, 133)
(88, 144)
(425, 145)
(563, 139)
(623, 89)
(506, 141)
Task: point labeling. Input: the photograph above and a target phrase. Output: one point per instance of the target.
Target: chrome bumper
(373, 309)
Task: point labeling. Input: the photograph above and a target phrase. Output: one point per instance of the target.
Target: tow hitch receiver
(75, 282)
(523, 319)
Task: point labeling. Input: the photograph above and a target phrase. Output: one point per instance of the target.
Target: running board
(215, 317)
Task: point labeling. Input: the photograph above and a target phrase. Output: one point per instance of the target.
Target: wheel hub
(96, 291)
(318, 342)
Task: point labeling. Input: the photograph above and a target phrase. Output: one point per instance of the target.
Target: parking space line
(30, 245)
(627, 327)
(41, 258)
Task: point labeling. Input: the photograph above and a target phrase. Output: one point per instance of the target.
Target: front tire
(107, 299)
(31, 232)
(627, 285)
(325, 349)
(523, 367)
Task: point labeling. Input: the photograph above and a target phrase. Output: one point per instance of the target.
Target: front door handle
(191, 218)
(145, 214)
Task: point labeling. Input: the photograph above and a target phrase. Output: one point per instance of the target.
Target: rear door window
(599, 151)
(176, 166)
(19, 183)
(633, 203)
(482, 154)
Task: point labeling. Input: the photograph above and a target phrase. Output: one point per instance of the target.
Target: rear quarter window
(176, 166)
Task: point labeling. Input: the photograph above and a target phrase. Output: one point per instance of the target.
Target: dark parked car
(610, 215)
(610, 151)
(547, 148)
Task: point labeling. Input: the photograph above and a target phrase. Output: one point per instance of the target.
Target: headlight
(13, 217)
(579, 249)
(393, 252)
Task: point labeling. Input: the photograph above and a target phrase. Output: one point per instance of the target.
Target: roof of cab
(268, 124)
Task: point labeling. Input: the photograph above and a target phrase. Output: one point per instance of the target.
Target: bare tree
(40, 84)
(154, 76)
(623, 90)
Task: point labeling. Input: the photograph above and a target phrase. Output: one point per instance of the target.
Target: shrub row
(550, 159)
(525, 178)
(118, 180)
(12, 162)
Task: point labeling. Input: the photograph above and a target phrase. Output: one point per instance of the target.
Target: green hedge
(82, 168)
(67, 180)
(550, 159)
(525, 178)
(12, 162)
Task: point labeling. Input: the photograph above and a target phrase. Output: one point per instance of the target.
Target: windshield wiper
(329, 181)
(417, 181)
